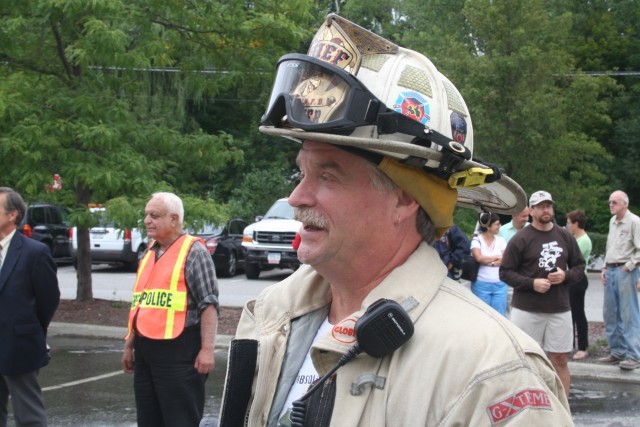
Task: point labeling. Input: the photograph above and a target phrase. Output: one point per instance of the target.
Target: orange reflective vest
(159, 304)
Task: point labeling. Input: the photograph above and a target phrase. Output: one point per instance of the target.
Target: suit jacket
(29, 296)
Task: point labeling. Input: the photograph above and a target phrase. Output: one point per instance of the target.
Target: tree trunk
(85, 288)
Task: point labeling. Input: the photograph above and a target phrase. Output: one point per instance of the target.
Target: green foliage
(524, 94)
(103, 93)
(198, 212)
(466, 219)
(517, 64)
(123, 99)
(599, 243)
(258, 191)
(126, 212)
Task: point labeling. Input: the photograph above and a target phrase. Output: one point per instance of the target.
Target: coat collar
(305, 291)
(405, 284)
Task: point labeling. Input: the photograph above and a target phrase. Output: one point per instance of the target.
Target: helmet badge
(413, 105)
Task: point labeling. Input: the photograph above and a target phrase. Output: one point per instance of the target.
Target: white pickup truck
(268, 241)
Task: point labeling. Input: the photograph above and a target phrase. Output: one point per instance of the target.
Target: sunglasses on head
(485, 219)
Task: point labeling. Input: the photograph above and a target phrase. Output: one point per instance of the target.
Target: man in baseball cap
(540, 263)
(386, 146)
(539, 197)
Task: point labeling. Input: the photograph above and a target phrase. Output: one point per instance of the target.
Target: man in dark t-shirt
(540, 263)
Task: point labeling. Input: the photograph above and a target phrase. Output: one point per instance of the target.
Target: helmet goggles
(317, 96)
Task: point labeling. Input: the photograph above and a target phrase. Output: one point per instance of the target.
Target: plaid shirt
(202, 284)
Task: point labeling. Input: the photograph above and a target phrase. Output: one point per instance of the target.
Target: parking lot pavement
(60, 329)
(83, 386)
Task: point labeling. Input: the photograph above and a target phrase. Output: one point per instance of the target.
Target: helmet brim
(503, 196)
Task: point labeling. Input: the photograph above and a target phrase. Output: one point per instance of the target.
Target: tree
(605, 44)
(526, 113)
(269, 184)
(97, 92)
(510, 61)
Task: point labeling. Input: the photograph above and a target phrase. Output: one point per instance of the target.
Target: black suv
(47, 223)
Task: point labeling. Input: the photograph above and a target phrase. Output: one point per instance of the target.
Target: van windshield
(280, 210)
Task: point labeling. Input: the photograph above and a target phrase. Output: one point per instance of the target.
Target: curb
(596, 371)
(110, 332)
(579, 370)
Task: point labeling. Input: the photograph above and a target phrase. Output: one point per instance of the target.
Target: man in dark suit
(29, 296)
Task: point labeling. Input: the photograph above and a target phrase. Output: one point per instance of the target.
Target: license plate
(97, 236)
(274, 257)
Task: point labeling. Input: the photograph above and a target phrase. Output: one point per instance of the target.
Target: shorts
(553, 331)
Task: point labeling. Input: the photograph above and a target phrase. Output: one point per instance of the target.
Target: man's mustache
(308, 216)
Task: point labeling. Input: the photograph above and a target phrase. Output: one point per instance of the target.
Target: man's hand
(208, 328)
(541, 285)
(603, 277)
(128, 362)
(205, 360)
(557, 277)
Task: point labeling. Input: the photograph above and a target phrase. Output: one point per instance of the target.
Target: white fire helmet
(356, 89)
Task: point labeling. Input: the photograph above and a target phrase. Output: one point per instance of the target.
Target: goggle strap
(374, 108)
(390, 122)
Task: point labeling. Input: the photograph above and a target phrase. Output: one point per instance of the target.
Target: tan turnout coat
(465, 365)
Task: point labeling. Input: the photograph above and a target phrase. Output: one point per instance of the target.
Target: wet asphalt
(84, 386)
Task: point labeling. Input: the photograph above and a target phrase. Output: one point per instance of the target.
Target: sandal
(579, 355)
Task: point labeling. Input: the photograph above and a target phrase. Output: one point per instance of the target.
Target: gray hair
(380, 181)
(172, 202)
(622, 195)
(14, 202)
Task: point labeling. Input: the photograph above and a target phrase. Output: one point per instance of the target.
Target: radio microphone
(381, 330)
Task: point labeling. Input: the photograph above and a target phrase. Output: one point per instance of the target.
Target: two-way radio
(381, 330)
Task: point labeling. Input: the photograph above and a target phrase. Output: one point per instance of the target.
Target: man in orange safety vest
(172, 321)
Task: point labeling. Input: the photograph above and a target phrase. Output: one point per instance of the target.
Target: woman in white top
(487, 249)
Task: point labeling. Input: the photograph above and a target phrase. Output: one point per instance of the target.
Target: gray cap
(539, 197)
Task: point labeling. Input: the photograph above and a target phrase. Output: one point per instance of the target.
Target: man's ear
(407, 206)
(13, 215)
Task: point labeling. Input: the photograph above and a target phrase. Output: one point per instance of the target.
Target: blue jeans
(493, 293)
(621, 313)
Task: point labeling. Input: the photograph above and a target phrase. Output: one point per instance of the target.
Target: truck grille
(282, 238)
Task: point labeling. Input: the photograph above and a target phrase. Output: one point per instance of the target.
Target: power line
(218, 71)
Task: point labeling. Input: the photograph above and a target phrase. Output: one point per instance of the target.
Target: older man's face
(160, 224)
(345, 219)
(616, 203)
